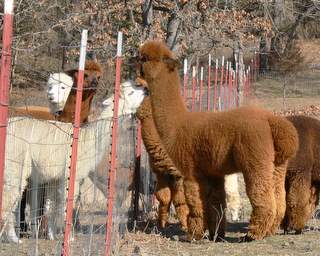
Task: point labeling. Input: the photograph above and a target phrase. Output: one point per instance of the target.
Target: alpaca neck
(69, 110)
(168, 108)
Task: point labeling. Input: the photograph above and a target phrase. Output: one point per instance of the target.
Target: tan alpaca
(207, 146)
(169, 181)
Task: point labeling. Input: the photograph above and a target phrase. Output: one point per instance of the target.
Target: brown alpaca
(169, 181)
(303, 175)
(92, 74)
(206, 146)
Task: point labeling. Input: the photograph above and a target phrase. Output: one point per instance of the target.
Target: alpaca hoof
(14, 239)
(298, 232)
(184, 238)
(246, 239)
(184, 228)
(50, 236)
(217, 239)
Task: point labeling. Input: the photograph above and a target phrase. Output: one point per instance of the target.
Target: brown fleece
(206, 146)
(169, 181)
(303, 174)
(92, 74)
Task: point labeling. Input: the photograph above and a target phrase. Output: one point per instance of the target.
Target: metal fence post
(74, 154)
(112, 171)
(4, 88)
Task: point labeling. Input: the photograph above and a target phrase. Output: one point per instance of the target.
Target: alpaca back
(308, 155)
(285, 138)
(49, 144)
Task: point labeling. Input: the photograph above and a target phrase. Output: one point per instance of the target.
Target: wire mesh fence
(38, 154)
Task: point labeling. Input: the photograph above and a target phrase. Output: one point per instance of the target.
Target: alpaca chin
(56, 107)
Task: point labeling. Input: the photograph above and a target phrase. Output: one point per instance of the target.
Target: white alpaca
(41, 149)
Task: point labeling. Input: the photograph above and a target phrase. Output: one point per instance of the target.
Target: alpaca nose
(50, 95)
(145, 91)
(94, 82)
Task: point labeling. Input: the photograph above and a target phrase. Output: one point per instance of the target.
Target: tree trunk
(173, 30)
(239, 53)
(265, 47)
(147, 18)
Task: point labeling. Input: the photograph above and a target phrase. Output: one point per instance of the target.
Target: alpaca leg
(260, 190)
(279, 176)
(216, 209)
(314, 198)
(11, 198)
(232, 195)
(196, 196)
(179, 202)
(163, 194)
(10, 225)
(298, 210)
(49, 213)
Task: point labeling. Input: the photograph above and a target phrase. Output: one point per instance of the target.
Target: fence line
(228, 87)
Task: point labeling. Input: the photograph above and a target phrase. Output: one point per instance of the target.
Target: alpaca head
(92, 74)
(153, 58)
(130, 99)
(58, 89)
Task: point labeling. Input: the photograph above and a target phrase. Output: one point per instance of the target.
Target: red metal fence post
(112, 172)
(185, 80)
(4, 88)
(236, 85)
(225, 103)
(221, 80)
(209, 84)
(201, 89)
(215, 90)
(194, 84)
(75, 140)
(230, 86)
(249, 81)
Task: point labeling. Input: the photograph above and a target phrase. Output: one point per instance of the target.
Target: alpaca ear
(171, 63)
(73, 73)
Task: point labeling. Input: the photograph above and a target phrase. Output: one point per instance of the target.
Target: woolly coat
(303, 174)
(207, 146)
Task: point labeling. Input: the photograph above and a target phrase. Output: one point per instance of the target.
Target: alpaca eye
(131, 93)
(63, 87)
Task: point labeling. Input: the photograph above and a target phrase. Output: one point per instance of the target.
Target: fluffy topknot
(155, 50)
(92, 65)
